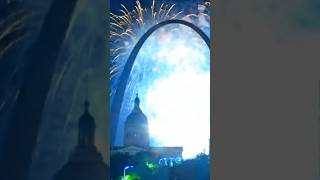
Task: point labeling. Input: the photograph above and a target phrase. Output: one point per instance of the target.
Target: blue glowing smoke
(172, 76)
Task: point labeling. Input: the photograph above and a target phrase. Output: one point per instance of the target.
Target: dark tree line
(197, 168)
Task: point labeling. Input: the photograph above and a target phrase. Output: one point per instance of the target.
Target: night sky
(115, 5)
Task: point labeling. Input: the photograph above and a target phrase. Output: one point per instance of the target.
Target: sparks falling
(129, 26)
(171, 73)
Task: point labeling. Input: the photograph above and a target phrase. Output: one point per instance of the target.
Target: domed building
(85, 162)
(137, 139)
(136, 127)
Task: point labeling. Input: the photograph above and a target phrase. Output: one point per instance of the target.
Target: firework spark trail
(12, 29)
(128, 27)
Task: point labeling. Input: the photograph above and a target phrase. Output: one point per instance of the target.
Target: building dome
(85, 162)
(136, 118)
(136, 127)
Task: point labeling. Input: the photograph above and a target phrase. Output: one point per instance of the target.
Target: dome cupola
(136, 127)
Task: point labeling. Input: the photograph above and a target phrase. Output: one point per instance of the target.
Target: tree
(197, 168)
(118, 161)
(146, 167)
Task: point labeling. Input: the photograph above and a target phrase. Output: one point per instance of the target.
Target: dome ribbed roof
(137, 116)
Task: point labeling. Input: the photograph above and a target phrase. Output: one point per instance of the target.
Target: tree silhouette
(190, 169)
(118, 161)
(197, 168)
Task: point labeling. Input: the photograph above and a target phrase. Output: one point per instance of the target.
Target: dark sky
(115, 4)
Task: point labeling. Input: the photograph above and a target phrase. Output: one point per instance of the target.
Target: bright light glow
(179, 111)
(151, 166)
(172, 76)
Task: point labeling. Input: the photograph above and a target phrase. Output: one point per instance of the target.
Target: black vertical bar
(318, 129)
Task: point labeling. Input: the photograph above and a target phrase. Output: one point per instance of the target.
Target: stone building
(136, 137)
(85, 162)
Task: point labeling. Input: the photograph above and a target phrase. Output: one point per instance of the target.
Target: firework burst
(13, 20)
(129, 26)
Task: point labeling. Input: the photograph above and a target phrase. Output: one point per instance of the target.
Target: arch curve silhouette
(123, 79)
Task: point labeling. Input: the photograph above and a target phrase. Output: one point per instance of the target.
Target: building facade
(137, 139)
